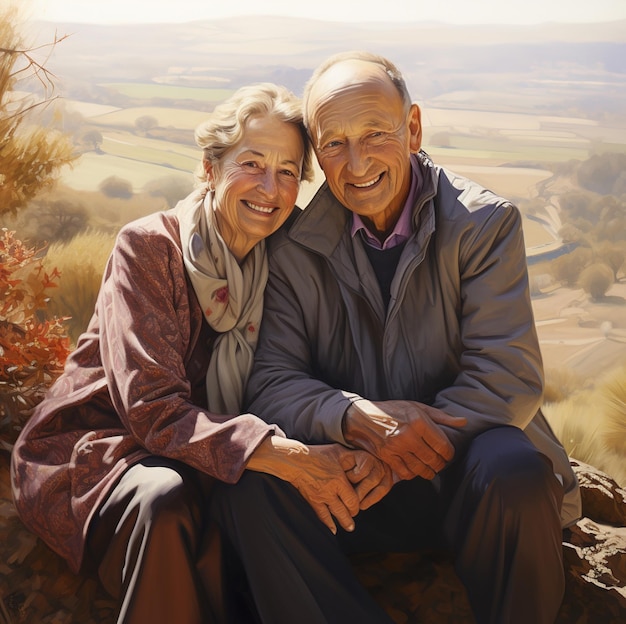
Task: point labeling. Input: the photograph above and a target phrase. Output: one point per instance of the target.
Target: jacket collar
(323, 224)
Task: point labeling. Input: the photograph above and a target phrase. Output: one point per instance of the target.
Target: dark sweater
(384, 262)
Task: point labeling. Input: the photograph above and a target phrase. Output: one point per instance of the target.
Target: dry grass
(81, 263)
(591, 422)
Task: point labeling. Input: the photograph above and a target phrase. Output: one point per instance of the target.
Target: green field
(166, 117)
(149, 90)
(91, 169)
(141, 149)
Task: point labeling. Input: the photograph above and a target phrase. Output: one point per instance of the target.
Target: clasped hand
(336, 481)
(404, 434)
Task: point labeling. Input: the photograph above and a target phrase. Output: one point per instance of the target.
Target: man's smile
(369, 183)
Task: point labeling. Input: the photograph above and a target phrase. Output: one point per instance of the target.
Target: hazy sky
(453, 11)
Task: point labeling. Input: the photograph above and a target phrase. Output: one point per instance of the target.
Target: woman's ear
(210, 173)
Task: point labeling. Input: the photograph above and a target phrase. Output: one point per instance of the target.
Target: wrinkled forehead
(348, 90)
(348, 76)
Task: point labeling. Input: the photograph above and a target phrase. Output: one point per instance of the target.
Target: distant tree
(569, 233)
(619, 186)
(30, 155)
(611, 254)
(171, 188)
(613, 230)
(576, 205)
(600, 172)
(596, 279)
(117, 187)
(71, 121)
(93, 138)
(60, 220)
(567, 268)
(145, 123)
(51, 217)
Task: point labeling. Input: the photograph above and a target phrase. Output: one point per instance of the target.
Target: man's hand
(403, 434)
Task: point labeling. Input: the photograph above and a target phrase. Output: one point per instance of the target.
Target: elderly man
(398, 320)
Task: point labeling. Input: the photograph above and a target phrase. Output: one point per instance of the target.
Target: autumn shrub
(33, 348)
(31, 155)
(81, 262)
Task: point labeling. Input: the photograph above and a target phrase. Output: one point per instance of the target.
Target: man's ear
(415, 128)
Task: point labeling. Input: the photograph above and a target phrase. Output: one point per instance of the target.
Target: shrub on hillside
(601, 172)
(117, 187)
(93, 139)
(32, 349)
(145, 123)
(51, 218)
(82, 262)
(596, 279)
(567, 268)
(613, 255)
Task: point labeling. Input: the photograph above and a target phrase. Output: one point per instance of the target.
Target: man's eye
(332, 145)
(376, 138)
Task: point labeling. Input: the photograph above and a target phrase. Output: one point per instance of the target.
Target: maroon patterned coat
(134, 386)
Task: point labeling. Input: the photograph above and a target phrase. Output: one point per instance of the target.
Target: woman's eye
(250, 163)
(288, 173)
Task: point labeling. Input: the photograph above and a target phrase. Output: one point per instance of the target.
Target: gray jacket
(458, 334)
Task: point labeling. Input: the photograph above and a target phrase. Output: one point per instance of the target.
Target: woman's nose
(268, 183)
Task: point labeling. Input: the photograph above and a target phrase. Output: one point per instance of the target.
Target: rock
(36, 586)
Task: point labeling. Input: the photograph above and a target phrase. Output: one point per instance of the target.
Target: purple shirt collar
(403, 228)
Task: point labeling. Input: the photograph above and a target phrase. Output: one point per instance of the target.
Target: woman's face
(256, 182)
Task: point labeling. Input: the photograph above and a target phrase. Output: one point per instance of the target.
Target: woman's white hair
(226, 124)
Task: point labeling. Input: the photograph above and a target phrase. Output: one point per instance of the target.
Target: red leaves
(33, 348)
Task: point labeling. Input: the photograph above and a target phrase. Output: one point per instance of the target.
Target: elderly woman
(114, 470)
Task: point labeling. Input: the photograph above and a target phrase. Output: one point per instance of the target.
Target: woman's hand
(324, 475)
(371, 477)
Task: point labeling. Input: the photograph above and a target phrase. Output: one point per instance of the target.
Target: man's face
(363, 137)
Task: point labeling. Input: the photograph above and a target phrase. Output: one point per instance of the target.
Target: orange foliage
(33, 348)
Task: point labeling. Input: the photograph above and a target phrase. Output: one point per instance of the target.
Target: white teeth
(366, 184)
(265, 209)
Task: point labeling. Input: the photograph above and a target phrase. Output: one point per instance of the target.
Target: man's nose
(357, 158)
